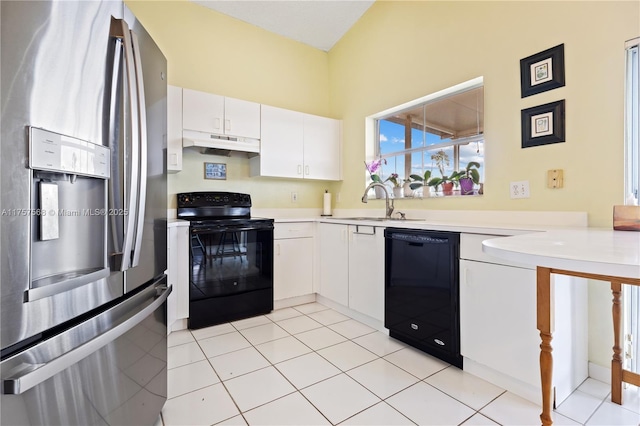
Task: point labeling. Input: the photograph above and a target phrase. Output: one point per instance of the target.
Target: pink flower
(373, 166)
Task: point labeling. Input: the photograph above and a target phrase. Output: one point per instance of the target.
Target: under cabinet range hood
(214, 144)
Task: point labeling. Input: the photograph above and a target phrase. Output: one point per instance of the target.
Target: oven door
(231, 272)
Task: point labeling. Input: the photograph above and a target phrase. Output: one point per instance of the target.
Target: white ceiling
(318, 23)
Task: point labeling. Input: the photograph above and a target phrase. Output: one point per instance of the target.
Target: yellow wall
(212, 52)
(400, 51)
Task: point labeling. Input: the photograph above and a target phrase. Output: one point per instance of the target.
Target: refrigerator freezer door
(110, 369)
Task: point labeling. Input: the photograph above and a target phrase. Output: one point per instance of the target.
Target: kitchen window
(631, 294)
(632, 121)
(441, 133)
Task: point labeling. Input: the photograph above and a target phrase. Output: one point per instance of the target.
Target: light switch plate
(555, 178)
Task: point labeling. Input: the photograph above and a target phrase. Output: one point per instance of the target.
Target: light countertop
(589, 250)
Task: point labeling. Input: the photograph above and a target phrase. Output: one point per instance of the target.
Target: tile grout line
(340, 370)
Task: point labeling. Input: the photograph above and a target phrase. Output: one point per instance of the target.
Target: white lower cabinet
(366, 270)
(293, 260)
(498, 335)
(334, 262)
(178, 275)
(352, 267)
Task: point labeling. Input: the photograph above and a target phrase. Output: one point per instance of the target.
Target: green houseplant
(417, 182)
(468, 177)
(447, 182)
(441, 159)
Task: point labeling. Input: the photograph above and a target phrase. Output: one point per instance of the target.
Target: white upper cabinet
(202, 111)
(210, 113)
(322, 148)
(298, 145)
(241, 118)
(281, 145)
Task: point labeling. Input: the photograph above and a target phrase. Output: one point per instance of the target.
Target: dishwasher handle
(418, 239)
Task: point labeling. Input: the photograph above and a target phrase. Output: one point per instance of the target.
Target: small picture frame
(542, 71)
(216, 171)
(543, 124)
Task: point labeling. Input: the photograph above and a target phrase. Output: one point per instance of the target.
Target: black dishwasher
(422, 291)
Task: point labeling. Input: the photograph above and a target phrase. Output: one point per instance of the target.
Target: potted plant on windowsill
(442, 158)
(468, 177)
(397, 188)
(421, 182)
(447, 182)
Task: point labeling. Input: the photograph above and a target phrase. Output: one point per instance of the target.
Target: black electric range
(231, 256)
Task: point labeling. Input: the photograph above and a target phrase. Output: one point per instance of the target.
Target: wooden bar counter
(598, 254)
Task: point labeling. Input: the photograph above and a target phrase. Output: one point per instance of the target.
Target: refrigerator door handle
(26, 376)
(120, 29)
(142, 140)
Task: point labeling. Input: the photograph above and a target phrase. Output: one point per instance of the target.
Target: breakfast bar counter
(598, 254)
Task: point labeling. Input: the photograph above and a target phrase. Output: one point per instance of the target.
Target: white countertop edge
(591, 250)
(174, 223)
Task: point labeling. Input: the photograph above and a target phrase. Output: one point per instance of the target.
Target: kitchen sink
(379, 219)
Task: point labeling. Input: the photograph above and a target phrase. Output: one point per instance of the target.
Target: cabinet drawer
(471, 249)
(293, 230)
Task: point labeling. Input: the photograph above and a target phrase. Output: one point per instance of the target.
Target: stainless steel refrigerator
(83, 227)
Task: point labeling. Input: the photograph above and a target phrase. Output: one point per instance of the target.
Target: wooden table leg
(543, 305)
(616, 362)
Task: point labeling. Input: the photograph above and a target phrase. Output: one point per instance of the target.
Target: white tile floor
(311, 365)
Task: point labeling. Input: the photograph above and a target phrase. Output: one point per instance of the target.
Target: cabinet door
(334, 262)
(281, 143)
(322, 148)
(183, 266)
(202, 111)
(172, 275)
(241, 118)
(292, 267)
(498, 318)
(366, 271)
(174, 129)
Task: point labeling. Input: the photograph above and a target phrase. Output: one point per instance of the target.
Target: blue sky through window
(392, 140)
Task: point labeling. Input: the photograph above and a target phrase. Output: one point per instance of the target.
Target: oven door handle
(229, 229)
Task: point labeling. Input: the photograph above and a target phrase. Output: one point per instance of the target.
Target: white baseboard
(518, 387)
(293, 301)
(180, 324)
(600, 373)
(365, 319)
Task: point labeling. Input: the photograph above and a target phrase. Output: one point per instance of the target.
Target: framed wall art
(215, 171)
(543, 124)
(542, 71)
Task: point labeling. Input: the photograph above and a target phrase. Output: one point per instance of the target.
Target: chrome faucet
(389, 206)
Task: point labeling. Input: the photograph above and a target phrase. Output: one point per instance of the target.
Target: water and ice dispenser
(69, 212)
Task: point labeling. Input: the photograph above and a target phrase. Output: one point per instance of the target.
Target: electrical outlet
(519, 189)
(294, 197)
